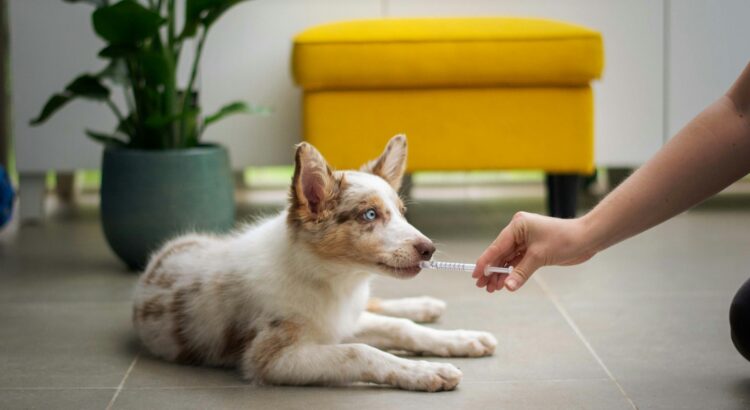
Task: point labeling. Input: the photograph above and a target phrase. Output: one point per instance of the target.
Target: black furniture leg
(562, 191)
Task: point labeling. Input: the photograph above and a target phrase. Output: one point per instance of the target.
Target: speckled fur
(284, 299)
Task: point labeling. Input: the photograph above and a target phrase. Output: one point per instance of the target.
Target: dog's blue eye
(370, 215)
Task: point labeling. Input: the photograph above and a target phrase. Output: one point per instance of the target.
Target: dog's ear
(391, 164)
(313, 182)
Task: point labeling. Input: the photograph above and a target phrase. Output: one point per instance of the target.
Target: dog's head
(357, 216)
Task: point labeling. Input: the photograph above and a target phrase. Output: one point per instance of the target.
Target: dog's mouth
(401, 271)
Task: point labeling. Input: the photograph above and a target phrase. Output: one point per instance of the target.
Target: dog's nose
(425, 249)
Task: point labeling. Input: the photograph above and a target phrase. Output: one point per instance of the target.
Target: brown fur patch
(165, 280)
(155, 270)
(276, 338)
(374, 305)
(236, 340)
(391, 378)
(401, 206)
(346, 234)
(354, 211)
(152, 308)
(368, 377)
(189, 353)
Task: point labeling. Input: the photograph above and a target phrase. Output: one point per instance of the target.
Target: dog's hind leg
(423, 309)
(402, 334)
(271, 359)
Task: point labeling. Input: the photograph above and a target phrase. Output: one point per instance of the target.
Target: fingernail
(511, 283)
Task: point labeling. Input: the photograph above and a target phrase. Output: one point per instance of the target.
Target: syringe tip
(425, 264)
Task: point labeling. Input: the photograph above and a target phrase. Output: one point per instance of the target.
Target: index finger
(501, 248)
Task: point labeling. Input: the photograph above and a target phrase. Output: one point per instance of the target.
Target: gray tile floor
(641, 325)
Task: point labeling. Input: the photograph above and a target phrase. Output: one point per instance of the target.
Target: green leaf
(126, 23)
(88, 86)
(105, 138)
(117, 51)
(237, 107)
(204, 12)
(156, 121)
(55, 102)
(231, 108)
(127, 127)
(84, 86)
(97, 3)
(155, 67)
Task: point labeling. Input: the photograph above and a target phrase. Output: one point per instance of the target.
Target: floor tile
(653, 308)
(58, 399)
(65, 345)
(587, 394)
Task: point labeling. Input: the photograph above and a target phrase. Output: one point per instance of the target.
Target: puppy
(286, 300)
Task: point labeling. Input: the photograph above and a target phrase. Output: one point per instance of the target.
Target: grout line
(548, 292)
(122, 382)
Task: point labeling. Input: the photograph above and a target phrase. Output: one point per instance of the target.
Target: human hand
(529, 242)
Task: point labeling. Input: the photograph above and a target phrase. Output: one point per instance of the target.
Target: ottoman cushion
(446, 52)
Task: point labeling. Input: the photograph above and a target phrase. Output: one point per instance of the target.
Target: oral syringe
(465, 267)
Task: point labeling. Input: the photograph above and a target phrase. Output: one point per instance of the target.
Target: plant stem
(171, 12)
(115, 110)
(193, 74)
(170, 88)
(138, 117)
(120, 117)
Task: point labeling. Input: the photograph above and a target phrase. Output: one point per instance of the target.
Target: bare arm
(711, 152)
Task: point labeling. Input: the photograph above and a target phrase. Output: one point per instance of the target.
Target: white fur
(262, 276)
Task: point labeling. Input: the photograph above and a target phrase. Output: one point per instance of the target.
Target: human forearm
(710, 153)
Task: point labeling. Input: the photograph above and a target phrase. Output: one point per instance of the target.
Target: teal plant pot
(149, 197)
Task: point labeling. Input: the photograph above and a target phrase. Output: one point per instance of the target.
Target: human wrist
(592, 239)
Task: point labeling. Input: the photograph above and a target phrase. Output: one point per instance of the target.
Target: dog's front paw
(464, 343)
(423, 309)
(427, 376)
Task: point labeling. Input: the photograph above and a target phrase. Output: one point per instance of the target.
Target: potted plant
(158, 179)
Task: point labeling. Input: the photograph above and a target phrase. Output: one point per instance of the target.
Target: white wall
(51, 42)
(709, 45)
(703, 42)
(247, 57)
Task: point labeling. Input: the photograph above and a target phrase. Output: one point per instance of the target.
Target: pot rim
(201, 149)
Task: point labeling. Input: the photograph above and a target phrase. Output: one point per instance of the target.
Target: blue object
(6, 198)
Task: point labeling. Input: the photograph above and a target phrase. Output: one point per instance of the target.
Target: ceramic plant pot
(148, 197)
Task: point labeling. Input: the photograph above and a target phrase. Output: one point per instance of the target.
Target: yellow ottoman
(470, 93)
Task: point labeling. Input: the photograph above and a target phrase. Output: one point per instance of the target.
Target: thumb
(521, 273)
